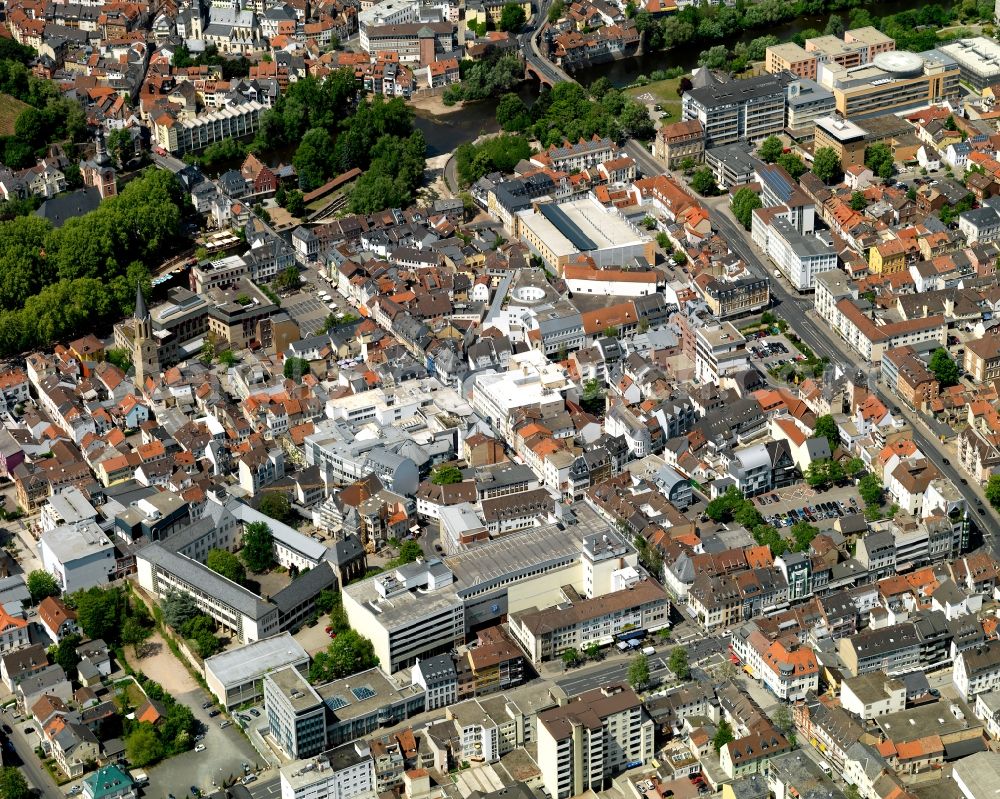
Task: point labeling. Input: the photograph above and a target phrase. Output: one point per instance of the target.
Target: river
(445, 132)
(625, 71)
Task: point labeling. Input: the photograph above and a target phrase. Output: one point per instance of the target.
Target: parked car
(254, 712)
(200, 748)
(206, 705)
(213, 713)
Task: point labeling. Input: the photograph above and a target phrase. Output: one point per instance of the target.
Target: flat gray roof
(252, 661)
(489, 563)
(208, 581)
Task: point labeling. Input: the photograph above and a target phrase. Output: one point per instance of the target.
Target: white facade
(342, 776)
(719, 351)
(798, 257)
(595, 736)
(79, 556)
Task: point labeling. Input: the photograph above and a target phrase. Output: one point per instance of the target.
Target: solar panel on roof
(362, 693)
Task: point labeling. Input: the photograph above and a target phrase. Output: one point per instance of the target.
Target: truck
(139, 777)
(648, 650)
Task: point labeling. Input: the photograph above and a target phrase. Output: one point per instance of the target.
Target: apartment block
(577, 622)
(790, 57)
(596, 735)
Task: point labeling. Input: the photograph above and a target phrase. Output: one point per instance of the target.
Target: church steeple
(140, 303)
(145, 356)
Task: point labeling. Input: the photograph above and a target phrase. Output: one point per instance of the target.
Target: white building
(347, 772)
(237, 675)
(799, 257)
(79, 556)
(871, 695)
(67, 507)
(977, 670)
(530, 380)
(720, 350)
(590, 739)
(641, 603)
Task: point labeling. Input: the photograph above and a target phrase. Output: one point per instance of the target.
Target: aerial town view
(499, 399)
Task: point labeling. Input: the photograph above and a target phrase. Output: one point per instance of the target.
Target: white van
(826, 768)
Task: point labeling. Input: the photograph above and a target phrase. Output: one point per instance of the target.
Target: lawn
(135, 694)
(10, 109)
(664, 92)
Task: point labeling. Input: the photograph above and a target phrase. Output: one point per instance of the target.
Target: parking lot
(786, 506)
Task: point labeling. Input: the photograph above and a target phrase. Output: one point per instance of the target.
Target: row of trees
(182, 614)
(568, 111)
(56, 283)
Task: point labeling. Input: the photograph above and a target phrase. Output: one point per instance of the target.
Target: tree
(120, 145)
(638, 671)
(224, 562)
(802, 535)
(258, 547)
(770, 149)
(512, 113)
(289, 279)
(878, 158)
(703, 182)
(178, 609)
(827, 427)
(313, 159)
(944, 368)
(570, 657)
(792, 164)
(142, 746)
(295, 203)
(296, 368)
(858, 201)
(13, 785)
(41, 584)
(592, 650)
(512, 17)
(99, 612)
(826, 165)
(993, 490)
(723, 735)
(277, 506)
(782, 719)
(556, 11)
(65, 655)
(678, 663)
(350, 653)
(745, 202)
(870, 489)
(854, 467)
(135, 634)
(446, 474)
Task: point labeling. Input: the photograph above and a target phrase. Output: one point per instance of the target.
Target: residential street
(34, 771)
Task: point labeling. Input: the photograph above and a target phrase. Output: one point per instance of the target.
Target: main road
(794, 310)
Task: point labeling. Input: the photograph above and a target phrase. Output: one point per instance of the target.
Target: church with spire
(145, 358)
(98, 172)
